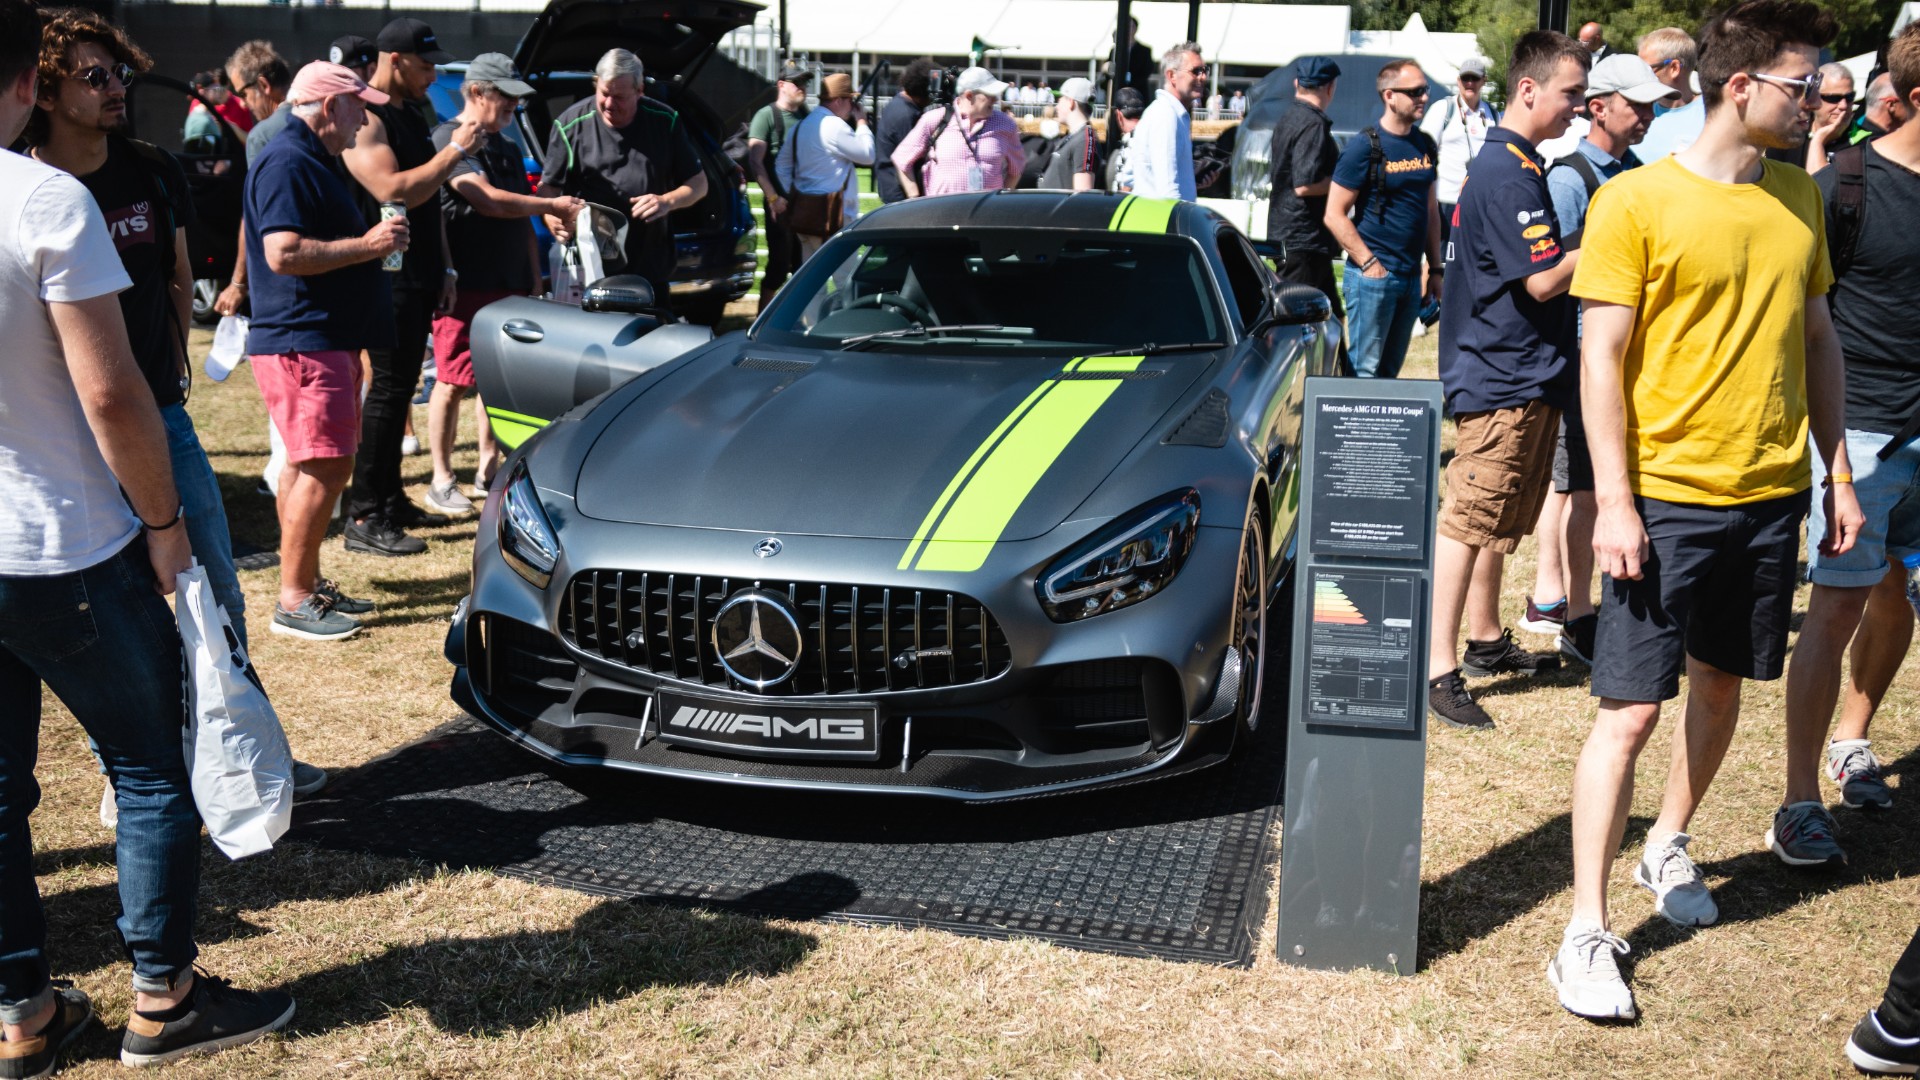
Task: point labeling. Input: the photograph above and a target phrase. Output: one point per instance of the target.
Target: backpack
(1849, 206)
(1377, 169)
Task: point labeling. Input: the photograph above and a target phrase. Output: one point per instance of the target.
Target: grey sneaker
(314, 620)
(307, 779)
(342, 603)
(447, 499)
(1802, 835)
(1586, 977)
(1851, 764)
(1680, 896)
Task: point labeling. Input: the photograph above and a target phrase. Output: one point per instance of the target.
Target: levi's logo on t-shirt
(131, 225)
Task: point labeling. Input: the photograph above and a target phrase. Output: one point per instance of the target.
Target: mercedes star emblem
(757, 638)
(768, 547)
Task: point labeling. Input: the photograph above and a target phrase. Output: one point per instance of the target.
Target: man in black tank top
(393, 160)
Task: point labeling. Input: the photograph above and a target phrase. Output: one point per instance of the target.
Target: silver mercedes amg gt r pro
(991, 502)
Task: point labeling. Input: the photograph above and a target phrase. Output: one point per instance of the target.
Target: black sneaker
(1873, 1050)
(221, 1017)
(1502, 655)
(23, 1058)
(342, 603)
(1544, 620)
(405, 515)
(1576, 640)
(1448, 699)
(376, 537)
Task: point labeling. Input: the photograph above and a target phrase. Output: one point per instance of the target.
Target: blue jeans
(107, 645)
(1380, 314)
(206, 514)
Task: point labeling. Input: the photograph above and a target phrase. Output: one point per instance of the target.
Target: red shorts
(452, 355)
(314, 399)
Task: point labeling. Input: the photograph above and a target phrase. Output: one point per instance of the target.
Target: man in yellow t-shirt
(1708, 354)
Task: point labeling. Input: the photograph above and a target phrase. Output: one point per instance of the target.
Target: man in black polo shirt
(619, 150)
(394, 161)
(1508, 363)
(1303, 157)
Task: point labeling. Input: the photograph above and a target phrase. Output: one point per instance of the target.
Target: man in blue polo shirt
(1385, 180)
(319, 297)
(1508, 363)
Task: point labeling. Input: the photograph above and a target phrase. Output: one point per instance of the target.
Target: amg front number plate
(770, 729)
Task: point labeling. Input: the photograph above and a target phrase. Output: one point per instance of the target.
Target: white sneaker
(1680, 895)
(1586, 977)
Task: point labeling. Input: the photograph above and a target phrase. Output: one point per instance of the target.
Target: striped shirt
(994, 143)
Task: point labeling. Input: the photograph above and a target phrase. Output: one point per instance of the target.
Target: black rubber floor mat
(1177, 868)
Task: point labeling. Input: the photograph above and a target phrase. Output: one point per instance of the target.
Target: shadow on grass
(417, 597)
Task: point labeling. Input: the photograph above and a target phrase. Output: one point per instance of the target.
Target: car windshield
(995, 291)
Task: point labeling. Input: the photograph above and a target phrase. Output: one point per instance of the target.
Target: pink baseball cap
(321, 80)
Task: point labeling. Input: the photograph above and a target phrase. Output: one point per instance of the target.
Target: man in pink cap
(319, 297)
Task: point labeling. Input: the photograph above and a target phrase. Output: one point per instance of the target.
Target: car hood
(875, 444)
(571, 35)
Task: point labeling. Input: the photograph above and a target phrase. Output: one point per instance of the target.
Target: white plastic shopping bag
(242, 769)
(569, 280)
(229, 347)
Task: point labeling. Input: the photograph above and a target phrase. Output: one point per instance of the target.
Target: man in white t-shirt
(1459, 124)
(83, 573)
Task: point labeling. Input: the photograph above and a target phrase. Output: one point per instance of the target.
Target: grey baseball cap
(497, 68)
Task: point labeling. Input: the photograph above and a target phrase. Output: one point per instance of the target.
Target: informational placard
(1361, 668)
(1356, 729)
(1374, 477)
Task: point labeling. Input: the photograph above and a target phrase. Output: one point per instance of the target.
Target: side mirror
(1294, 304)
(628, 294)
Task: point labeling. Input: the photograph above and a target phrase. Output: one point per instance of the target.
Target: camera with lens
(940, 84)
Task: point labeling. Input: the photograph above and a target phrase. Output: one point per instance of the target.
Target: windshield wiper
(916, 330)
(1149, 348)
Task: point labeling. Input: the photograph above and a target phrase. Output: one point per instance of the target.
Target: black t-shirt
(1873, 301)
(1499, 347)
(489, 252)
(1077, 152)
(650, 156)
(897, 119)
(1303, 154)
(144, 199)
(410, 135)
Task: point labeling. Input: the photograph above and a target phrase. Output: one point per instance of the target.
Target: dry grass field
(405, 969)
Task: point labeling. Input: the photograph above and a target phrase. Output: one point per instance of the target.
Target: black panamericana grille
(858, 639)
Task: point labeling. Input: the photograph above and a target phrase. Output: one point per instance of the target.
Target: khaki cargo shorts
(1501, 472)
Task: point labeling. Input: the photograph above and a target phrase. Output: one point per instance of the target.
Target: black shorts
(1718, 587)
(1572, 465)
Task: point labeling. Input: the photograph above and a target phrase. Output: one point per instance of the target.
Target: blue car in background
(445, 96)
(714, 238)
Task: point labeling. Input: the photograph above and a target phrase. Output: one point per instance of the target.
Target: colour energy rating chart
(1361, 667)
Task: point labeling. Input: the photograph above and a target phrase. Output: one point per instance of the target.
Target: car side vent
(1129, 376)
(763, 363)
(1206, 425)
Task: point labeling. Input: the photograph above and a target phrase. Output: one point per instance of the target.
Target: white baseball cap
(1080, 90)
(978, 80)
(1630, 77)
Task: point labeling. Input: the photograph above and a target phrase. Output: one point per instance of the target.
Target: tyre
(205, 291)
(1249, 634)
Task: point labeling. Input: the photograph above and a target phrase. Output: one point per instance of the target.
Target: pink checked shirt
(993, 142)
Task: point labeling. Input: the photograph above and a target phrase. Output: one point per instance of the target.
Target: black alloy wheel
(1249, 634)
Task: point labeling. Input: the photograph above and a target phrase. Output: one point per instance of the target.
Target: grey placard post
(1356, 725)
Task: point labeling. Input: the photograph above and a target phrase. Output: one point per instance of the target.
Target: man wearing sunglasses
(1673, 56)
(1381, 209)
(1832, 118)
(1708, 358)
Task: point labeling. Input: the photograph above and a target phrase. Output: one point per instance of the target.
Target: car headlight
(1127, 562)
(527, 541)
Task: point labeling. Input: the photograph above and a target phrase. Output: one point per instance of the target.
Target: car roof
(1075, 211)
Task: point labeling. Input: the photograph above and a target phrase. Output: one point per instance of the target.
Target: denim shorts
(1889, 494)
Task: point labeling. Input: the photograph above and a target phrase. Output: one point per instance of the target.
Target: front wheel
(1249, 634)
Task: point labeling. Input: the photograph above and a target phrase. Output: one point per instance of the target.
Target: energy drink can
(389, 211)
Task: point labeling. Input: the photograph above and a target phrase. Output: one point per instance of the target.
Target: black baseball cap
(352, 50)
(1315, 71)
(795, 74)
(404, 35)
(1130, 102)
